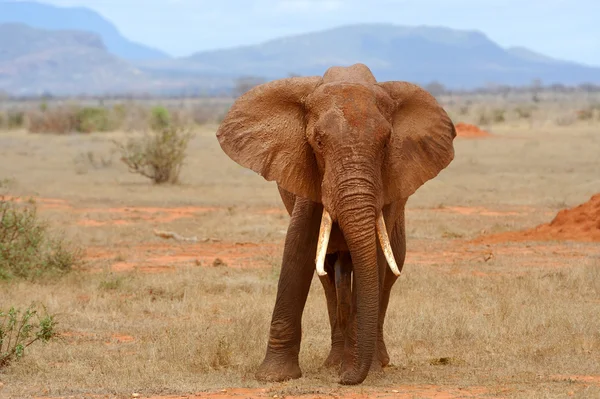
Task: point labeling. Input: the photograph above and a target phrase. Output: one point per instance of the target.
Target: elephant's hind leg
(334, 359)
(298, 266)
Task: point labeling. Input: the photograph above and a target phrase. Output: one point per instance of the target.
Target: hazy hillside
(46, 16)
(34, 60)
(419, 54)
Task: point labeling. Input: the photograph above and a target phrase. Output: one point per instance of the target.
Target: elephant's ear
(421, 144)
(265, 131)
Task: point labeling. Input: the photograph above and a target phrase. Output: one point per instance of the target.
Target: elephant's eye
(318, 139)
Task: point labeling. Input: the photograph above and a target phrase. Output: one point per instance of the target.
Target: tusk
(385, 245)
(323, 243)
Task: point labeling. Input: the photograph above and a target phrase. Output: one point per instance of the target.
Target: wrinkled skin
(356, 148)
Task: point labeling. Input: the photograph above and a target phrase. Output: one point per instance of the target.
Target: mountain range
(45, 48)
(48, 17)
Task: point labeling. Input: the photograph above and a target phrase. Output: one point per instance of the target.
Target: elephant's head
(353, 145)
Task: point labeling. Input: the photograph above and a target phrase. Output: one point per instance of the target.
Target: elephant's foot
(349, 361)
(336, 355)
(382, 354)
(277, 369)
(351, 377)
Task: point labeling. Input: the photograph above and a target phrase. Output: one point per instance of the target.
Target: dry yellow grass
(514, 320)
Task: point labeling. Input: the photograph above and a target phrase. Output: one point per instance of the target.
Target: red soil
(470, 131)
(581, 223)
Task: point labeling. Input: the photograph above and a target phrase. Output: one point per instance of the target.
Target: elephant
(346, 153)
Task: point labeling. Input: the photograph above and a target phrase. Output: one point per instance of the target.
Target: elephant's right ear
(265, 131)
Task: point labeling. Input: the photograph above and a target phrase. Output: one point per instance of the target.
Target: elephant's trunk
(357, 215)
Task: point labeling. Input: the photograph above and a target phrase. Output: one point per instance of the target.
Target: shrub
(59, 120)
(92, 119)
(523, 112)
(19, 330)
(158, 156)
(498, 115)
(26, 248)
(483, 119)
(585, 114)
(12, 119)
(160, 118)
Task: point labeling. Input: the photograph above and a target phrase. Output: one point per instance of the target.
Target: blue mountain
(45, 16)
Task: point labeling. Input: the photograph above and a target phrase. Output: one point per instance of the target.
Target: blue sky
(568, 29)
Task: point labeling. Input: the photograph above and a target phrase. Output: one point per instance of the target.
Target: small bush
(585, 114)
(498, 115)
(60, 120)
(565, 120)
(26, 248)
(19, 330)
(160, 118)
(523, 112)
(158, 156)
(16, 119)
(484, 119)
(92, 119)
(12, 119)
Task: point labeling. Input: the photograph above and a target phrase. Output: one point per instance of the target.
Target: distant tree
(536, 87)
(588, 87)
(435, 88)
(245, 83)
(558, 88)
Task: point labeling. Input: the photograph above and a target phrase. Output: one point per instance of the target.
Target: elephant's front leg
(398, 243)
(298, 265)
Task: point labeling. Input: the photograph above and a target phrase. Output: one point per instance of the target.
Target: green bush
(12, 119)
(93, 119)
(160, 118)
(158, 156)
(19, 330)
(68, 119)
(27, 249)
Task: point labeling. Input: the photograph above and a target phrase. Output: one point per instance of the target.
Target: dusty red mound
(581, 223)
(469, 131)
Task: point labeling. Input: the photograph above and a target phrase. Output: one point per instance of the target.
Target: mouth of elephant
(325, 235)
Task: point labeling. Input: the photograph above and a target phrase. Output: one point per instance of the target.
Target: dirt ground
(472, 316)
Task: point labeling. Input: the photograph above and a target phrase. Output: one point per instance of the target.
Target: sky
(566, 29)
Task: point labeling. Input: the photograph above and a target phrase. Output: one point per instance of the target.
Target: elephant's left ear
(421, 144)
